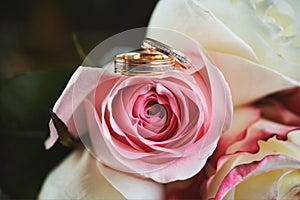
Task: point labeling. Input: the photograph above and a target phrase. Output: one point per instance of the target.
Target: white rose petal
(265, 32)
(79, 176)
(270, 28)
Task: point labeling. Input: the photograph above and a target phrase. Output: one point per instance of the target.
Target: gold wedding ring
(143, 63)
(155, 59)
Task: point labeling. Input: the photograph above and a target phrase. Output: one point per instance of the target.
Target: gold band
(143, 63)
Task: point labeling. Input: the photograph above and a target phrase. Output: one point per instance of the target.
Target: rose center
(155, 109)
(156, 117)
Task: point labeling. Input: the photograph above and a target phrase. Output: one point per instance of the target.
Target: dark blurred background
(37, 57)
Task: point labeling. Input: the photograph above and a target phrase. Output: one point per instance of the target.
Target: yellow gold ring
(143, 63)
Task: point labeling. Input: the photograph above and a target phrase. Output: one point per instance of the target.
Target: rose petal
(242, 172)
(78, 177)
(186, 166)
(242, 118)
(289, 185)
(262, 186)
(261, 130)
(132, 187)
(99, 143)
(294, 137)
(270, 28)
(241, 73)
(66, 105)
(284, 149)
(192, 18)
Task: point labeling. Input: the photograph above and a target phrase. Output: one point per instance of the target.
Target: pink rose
(163, 128)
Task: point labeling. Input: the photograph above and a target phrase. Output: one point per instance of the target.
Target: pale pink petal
(220, 94)
(84, 80)
(242, 118)
(186, 166)
(100, 147)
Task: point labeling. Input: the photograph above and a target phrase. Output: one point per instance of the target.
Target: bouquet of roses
(226, 127)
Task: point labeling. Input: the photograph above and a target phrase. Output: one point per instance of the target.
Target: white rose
(270, 28)
(255, 45)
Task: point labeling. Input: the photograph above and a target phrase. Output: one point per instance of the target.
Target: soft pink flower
(163, 128)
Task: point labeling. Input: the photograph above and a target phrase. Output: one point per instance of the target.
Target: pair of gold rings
(155, 59)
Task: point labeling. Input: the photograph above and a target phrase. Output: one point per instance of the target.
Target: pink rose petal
(242, 119)
(66, 105)
(261, 130)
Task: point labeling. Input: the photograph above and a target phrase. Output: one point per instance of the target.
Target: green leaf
(24, 104)
(26, 99)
